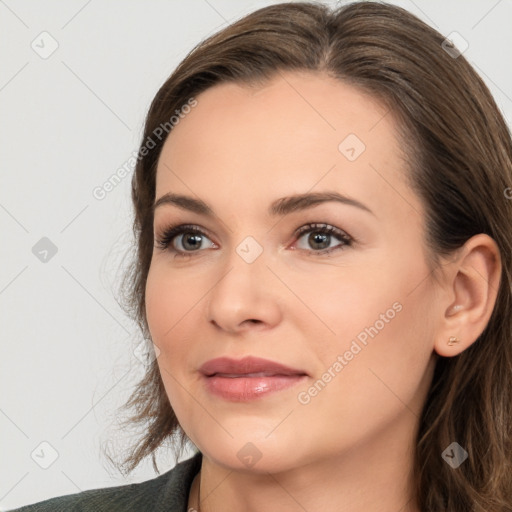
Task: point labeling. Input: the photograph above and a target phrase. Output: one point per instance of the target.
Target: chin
(252, 453)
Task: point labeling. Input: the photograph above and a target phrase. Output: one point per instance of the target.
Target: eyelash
(164, 240)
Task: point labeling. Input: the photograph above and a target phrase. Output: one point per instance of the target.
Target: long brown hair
(459, 157)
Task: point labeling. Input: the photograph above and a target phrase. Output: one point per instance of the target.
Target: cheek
(171, 324)
(377, 318)
(343, 302)
(376, 382)
(168, 301)
(173, 308)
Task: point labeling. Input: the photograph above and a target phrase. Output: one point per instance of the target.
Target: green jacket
(166, 493)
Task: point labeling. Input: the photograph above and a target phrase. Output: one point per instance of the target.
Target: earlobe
(475, 279)
(452, 340)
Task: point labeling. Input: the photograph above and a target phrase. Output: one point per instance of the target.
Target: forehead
(298, 132)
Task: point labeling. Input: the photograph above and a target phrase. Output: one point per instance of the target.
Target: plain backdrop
(76, 79)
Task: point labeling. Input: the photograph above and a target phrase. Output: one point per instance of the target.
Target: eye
(321, 236)
(189, 239)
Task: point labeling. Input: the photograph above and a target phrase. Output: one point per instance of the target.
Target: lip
(247, 365)
(249, 378)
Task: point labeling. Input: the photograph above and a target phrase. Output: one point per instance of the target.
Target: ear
(470, 294)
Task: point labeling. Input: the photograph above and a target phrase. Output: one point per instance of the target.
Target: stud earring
(452, 340)
(457, 307)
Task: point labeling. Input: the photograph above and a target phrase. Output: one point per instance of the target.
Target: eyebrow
(279, 207)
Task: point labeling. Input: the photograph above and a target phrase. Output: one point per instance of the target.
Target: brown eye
(320, 237)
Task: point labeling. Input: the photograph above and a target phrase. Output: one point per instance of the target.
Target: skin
(238, 150)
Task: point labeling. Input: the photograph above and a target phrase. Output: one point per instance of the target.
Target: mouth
(248, 367)
(248, 379)
(251, 375)
(249, 387)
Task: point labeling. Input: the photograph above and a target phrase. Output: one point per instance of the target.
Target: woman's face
(356, 321)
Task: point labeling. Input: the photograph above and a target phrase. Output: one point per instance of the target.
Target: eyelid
(326, 228)
(165, 237)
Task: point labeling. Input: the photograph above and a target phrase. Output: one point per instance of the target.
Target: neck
(376, 476)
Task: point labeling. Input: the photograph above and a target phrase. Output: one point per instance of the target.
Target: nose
(245, 297)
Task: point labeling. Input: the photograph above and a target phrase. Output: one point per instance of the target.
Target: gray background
(68, 122)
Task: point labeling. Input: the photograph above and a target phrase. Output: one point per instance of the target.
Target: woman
(322, 214)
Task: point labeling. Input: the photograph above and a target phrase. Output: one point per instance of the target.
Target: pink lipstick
(248, 378)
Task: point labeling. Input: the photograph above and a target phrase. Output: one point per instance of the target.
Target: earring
(457, 307)
(452, 340)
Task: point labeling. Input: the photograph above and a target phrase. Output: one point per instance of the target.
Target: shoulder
(168, 492)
